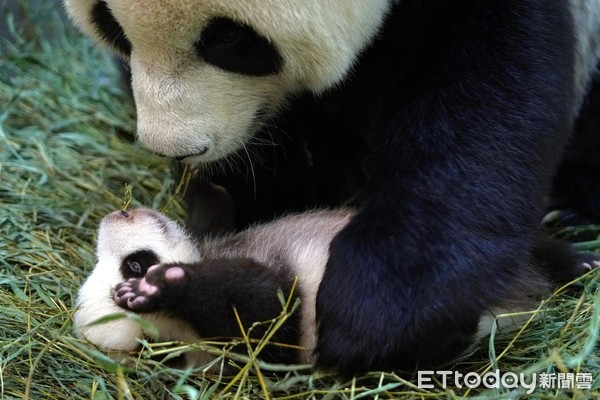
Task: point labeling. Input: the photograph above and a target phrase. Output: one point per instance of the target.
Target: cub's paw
(146, 294)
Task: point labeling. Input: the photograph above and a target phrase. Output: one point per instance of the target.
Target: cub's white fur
(300, 241)
(117, 238)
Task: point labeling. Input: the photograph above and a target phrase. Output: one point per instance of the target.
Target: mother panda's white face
(206, 74)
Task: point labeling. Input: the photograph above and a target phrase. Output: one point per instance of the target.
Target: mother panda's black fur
(447, 131)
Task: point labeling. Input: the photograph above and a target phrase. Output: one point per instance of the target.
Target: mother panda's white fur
(186, 106)
(586, 16)
(300, 241)
(201, 106)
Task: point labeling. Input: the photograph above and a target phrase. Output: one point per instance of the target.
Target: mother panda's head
(207, 73)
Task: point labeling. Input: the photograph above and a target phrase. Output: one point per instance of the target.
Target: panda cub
(187, 289)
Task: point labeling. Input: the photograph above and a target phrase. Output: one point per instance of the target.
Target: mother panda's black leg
(204, 295)
(257, 182)
(211, 211)
(576, 190)
(457, 184)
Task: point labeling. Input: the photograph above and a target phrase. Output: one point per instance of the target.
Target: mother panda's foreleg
(576, 187)
(558, 261)
(205, 294)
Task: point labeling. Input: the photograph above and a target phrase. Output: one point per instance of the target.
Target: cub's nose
(122, 214)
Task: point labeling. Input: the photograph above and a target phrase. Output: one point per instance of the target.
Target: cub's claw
(137, 295)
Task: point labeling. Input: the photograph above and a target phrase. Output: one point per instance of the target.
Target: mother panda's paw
(147, 294)
(587, 262)
(559, 261)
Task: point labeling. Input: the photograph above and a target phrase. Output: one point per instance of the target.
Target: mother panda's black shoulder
(418, 38)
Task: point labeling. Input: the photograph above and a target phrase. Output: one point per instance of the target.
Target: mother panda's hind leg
(205, 294)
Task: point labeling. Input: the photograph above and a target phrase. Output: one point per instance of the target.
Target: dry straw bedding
(66, 156)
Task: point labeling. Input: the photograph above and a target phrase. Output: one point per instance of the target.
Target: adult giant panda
(444, 122)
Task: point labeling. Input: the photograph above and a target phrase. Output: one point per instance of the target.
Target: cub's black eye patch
(136, 264)
(109, 28)
(236, 47)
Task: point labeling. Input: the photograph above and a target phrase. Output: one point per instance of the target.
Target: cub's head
(206, 74)
(128, 244)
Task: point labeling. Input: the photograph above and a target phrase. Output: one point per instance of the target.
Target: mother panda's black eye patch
(109, 28)
(135, 265)
(236, 47)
